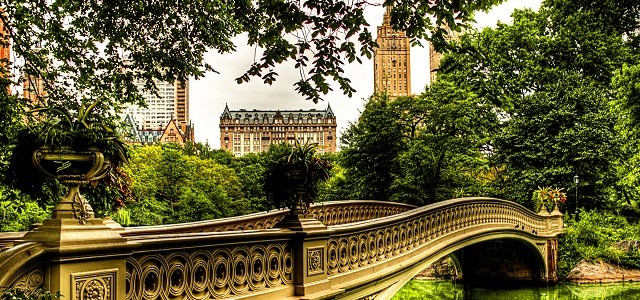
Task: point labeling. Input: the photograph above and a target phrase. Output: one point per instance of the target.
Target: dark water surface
(441, 290)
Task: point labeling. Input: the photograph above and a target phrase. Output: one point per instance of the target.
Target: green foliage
(91, 50)
(592, 238)
(147, 211)
(369, 149)
(122, 216)
(420, 149)
(18, 294)
(18, 212)
(448, 146)
(295, 177)
(552, 82)
(337, 186)
(555, 135)
(169, 186)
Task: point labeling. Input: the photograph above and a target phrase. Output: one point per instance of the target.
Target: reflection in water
(446, 290)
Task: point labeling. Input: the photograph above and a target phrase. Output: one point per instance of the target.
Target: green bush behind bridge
(593, 238)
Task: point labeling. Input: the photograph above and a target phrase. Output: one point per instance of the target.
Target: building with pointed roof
(173, 132)
(251, 131)
(392, 60)
(176, 132)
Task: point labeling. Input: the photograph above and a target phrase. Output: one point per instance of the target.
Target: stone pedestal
(310, 255)
(83, 261)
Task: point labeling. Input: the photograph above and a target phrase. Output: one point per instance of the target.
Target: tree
(369, 149)
(453, 134)
(550, 72)
(94, 50)
(558, 133)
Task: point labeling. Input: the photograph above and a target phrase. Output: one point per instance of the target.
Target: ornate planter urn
(72, 168)
(296, 183)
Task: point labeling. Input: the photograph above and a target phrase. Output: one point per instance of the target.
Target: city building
(182, 102)
(172, 132)
(252, 131)
(5, 42)
(435, 56)
(5, 49)
(33, 89)
(392, 60)
(171, 101)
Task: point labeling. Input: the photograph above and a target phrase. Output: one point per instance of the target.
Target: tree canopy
(95, 49)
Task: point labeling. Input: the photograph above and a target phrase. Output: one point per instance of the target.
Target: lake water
(441, 290)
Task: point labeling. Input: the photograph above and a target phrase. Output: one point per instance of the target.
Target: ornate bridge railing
(330, 213)
(392, 243)
(363, 250)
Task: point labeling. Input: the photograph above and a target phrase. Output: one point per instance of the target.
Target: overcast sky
(209, 94)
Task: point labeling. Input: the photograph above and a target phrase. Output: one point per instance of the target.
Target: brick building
(252, 131)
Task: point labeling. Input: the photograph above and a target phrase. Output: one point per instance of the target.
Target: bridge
(338, 250)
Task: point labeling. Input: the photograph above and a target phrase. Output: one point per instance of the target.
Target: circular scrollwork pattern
(315, 260)
(351, 251)
(208, 274)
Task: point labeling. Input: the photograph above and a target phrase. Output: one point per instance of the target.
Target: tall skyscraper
(435, 56)
(392, 60)
(171, 102)
(5, 48)
(251, 131)
(5, 41)
(33, 89)
(182, 102)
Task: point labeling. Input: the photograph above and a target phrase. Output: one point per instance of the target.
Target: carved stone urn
(73, 169)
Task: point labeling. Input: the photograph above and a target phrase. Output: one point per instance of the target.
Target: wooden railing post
(310, 255)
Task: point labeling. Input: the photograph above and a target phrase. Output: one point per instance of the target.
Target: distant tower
(182, 102)
(392, 60)
(435, 56)
(5, 47)
(5, 41)
(33, 87)
(171, 100)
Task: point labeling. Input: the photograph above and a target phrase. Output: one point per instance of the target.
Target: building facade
(392, 60)
(172, 101)
(33, 89)
(5, 42)
(435, 56)
(252, 131)
(182, 102)
(5, 49)
(172, 132)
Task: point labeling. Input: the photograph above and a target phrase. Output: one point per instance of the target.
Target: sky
(209, 94)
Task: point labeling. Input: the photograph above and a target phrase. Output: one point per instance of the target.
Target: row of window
(279, 121)
(265, 129)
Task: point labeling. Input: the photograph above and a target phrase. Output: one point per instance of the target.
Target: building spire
(226, 112)
(329, 112)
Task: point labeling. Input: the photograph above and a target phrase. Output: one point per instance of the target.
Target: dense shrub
(593, 238)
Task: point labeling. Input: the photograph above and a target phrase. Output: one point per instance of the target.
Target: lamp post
(576, 180)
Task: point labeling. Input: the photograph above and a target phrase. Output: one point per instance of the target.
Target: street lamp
(576, 180)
